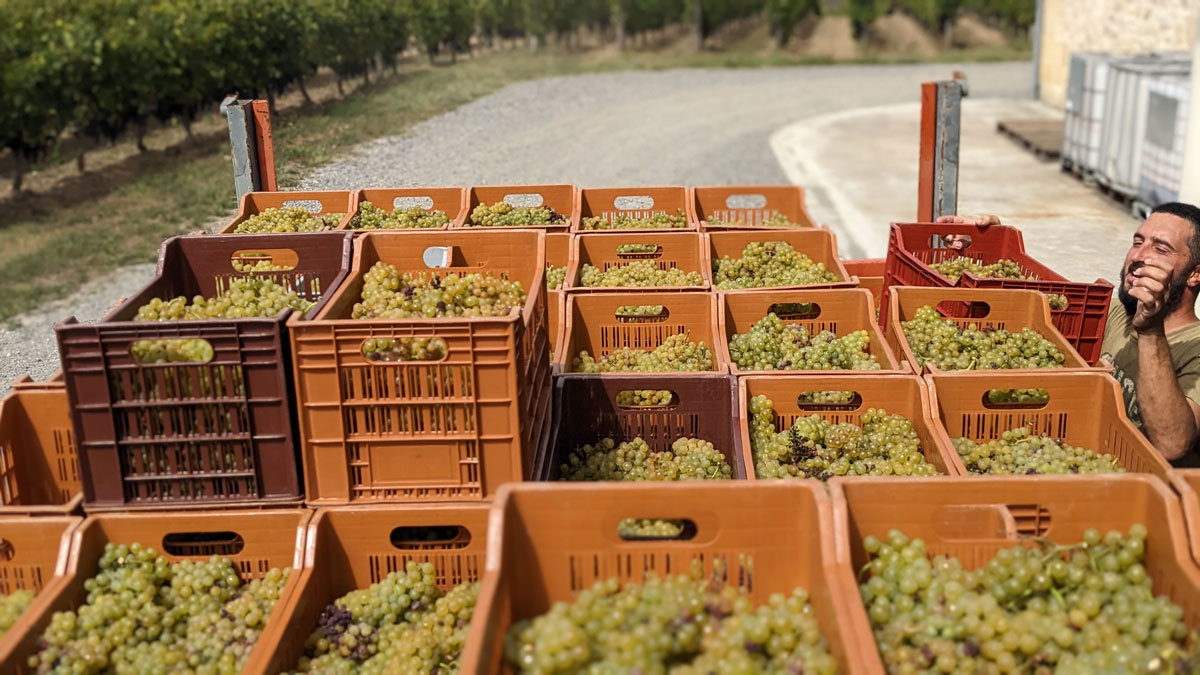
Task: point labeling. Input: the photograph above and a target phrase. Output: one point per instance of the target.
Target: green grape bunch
(371, 217)
(679, 624)
(11, 607)
(393, 350)
(677, 353)
(954, 268)
(144, 614)
(769, 263)
(288, 219)
(171, 350)
(388, 294)
(606, 460)
(1020, 452)
(503, 214)
(941, 341)
(663, 221)
(637, 273)
(1038, 607)
(645, 397)
(244, 298)
(772, 344)
(555, 277)
(776, 220)
(884, 445)
(400, 624)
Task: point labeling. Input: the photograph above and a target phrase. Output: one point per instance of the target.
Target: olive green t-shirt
(1120, 349)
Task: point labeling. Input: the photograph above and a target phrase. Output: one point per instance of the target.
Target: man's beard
(1174, 292)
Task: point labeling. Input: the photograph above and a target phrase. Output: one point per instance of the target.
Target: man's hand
(978, 221)
(1150, 284)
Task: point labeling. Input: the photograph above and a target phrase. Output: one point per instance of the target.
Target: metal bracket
(252, 147)
(941, 129)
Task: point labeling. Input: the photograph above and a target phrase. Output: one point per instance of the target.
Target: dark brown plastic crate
(39, 466)
(454, 429)
(564, 199)
(635, 202)
(450, 200)
(750, 203)
(353, 547)
(586, 410)
(687, 251)
(314, 201)
(188, 435)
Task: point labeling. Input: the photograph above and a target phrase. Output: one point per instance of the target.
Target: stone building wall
(1117, 26)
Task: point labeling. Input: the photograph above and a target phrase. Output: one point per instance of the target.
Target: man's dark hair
(1192, 215)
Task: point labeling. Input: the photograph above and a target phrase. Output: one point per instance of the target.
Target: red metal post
(929, 103)
(265, 145)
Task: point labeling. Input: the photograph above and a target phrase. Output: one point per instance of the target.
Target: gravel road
(689, 127)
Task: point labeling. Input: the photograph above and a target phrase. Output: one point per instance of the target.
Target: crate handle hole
(815, 401)
(1015, 399)
(656, 529)
(958, 309)
(795, 311)
(974, 522)
(641, 399)
(642, 314)
(436, 257)
(310, 205)
(404, 350)
(633, 202)
(7, 550)
(171, 350)
(954, 242)
(524, 199)
(425, 203)
(412, 538)
(278, 260)
(223, 543)
(639, 251)
(1057, 301)
(746, 201)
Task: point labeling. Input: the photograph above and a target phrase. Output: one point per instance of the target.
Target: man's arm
(1170, 418)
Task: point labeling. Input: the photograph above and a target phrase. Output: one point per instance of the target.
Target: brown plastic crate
(818, 243)
(870, 277)
(450, 200)
(39, 467)
(904, 395)
(687, 251)
(190, 435)
(635, 202)
(591, 323)
(1085, 410)
(564, 199)
(35, 554)
(1010, 310)
(354, 547)
(315, 201)
(841, 311)
(550, 541)
(256, 542)
(586, 410)
(751, 203)
(453, 429)
(1186, 483)
(973, 518)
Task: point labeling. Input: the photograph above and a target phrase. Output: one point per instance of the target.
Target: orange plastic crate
(635, 202)
(973, 518)
(586, 410)
(870, 277)
(315, 201)
(897, 394)
(1011, 310)
(841, 311)
(818, 243)
(39, 471)
(256, 541)
(35, 555)
(558, 253)
(687, 251)
(450, 200)
(453, 429)
(354, 547)
(1085, 410)
(591, 323)
(564, 199)
(750, 203)
(548, 542)
(1186, 483)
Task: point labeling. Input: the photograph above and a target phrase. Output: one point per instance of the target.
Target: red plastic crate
(564, 199)
(912, 247)
(687, 251)
(750, 203)
(39, 466)
(189, 435)
(586, 410)
(315, 201)
(818, 244)
(415, 431)
(635, 202)
(450, 200)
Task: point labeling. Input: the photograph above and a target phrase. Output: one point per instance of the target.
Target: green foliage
(784, 15)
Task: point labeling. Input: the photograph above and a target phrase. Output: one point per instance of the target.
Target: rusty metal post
(941, 127)
(252, 147)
